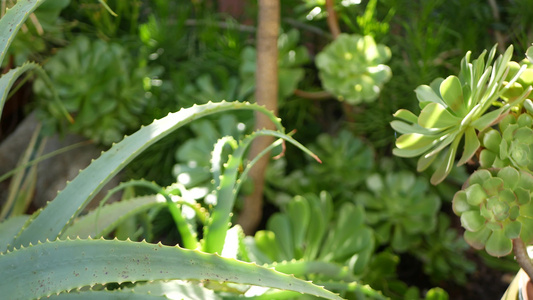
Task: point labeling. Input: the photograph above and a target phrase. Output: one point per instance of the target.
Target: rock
(53, 173)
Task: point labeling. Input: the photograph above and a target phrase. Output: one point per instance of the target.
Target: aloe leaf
(100, 223)
(215, 230)
(106, 295)
(55, 217)
(12, 21)
(9, 228)
(7, 80)
(89, 262)
(175, 289)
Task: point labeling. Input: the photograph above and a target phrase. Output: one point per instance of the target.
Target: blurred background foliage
(162, 55)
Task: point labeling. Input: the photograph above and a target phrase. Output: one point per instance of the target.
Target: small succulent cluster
(109, 97)
(513, 147)
(352, 68)
(400, 208)
(496, 208)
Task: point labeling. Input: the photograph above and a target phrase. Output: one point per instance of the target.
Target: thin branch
(522, 256)
(222, 25)
(321, 95)
(314, 29)
(500, 39)
(333, 23)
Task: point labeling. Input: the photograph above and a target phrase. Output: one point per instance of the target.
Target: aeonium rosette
(453, 108)
(352, 68)
(495, 209)
(512, 147)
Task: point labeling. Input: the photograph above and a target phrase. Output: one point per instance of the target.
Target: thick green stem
(522, 257)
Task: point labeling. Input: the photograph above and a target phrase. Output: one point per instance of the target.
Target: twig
(332, 19)
(500, 39)
(522, 256)
(321, 95)
(307, 27)
(222, 25)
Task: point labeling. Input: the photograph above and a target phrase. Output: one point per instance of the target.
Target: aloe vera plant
(35, 261)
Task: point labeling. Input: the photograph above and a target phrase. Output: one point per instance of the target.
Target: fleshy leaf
(498, 244)
(452, 93)
(435, 115)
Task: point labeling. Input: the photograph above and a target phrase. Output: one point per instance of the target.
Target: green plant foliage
(513, 147)
(400, 208)
(291, 57)
(352, 68)
(109, 95)
(310, 229)
(454, 108)
(496, 208)
(45, 26)
(346, 162)
(442, 254)
(311, 239)
(105, 261)
(194, 168)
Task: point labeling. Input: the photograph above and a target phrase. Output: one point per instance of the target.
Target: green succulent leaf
(498, 244)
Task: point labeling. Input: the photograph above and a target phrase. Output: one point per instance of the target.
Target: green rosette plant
(453, 108)
(352, 68)
(513, 147)
(400, 208)
(495, 208)
(312, 239)
(346, 162)
(109, 97)
(442, 254)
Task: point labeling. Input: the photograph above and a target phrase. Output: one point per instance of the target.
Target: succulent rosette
(513, 147)
(400, 208)
(352, 68)
(453, 108)
(495, 209)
